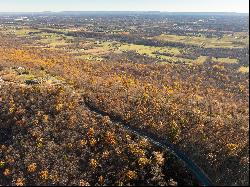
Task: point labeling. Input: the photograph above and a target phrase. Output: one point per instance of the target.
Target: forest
(86, 100)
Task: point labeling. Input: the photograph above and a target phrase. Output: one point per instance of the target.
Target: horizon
(188, 6)
(142, 11)
(121, 12)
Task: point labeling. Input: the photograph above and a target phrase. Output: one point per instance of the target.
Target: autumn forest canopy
(124, 99)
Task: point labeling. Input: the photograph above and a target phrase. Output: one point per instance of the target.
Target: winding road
(163, 143)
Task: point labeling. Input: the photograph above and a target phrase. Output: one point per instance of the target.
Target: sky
(241, 6)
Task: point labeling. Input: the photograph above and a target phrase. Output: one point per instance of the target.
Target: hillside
(69, 117)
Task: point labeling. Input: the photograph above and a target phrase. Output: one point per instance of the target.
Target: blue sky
(131, 5)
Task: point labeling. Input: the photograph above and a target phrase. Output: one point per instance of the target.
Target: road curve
(201, 176)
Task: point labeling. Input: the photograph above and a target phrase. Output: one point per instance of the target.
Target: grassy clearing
(25, 31)
(175, 59)
(149, 50)
(168, 54)
(51, 39)
(237, 40)
(107, 47)
(225, 60)
(53, 42)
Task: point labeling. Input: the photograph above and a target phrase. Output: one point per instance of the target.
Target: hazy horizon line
(159, 11)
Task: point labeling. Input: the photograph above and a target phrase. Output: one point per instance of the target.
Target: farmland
(236, 40)
(84, 99)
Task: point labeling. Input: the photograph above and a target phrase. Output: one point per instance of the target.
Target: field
(236, 40)
(95, 50)
(83, 106)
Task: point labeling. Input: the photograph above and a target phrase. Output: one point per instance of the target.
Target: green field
(51, 39)
(237, 40)
(225, 60)
(164, 54)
